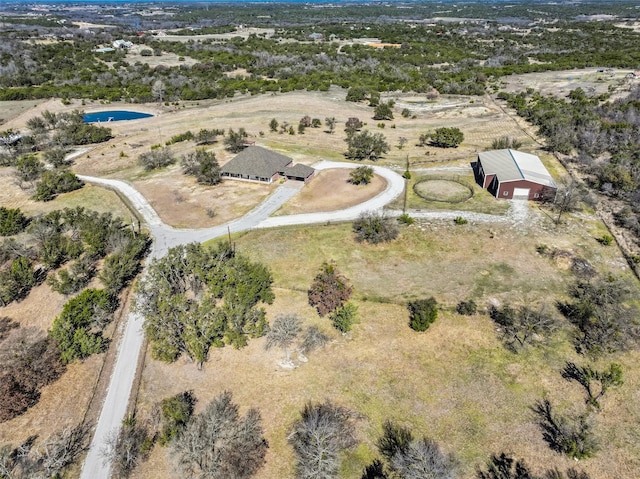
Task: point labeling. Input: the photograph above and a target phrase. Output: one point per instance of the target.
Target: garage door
(521, 193)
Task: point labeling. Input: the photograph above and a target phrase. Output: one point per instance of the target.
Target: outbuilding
(512, 174)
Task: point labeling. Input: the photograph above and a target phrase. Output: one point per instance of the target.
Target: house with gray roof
(255, 163)
(513, 174)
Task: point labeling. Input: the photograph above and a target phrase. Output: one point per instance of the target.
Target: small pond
(114, 115)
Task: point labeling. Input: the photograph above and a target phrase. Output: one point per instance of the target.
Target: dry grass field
(455, 383)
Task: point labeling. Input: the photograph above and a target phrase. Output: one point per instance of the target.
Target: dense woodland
(451, 57)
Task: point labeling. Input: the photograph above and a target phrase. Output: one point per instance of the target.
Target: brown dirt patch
(182, 202)
(330, 190)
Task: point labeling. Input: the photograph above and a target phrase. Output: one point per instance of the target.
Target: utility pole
(407, 176)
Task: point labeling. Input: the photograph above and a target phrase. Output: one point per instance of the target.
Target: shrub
(156, 158)
(572, 436)
(505, 142)
(361, 175)
(180, 137)
(343, 317)
(404, 218)
(375, 228)
(605, 240)
(467, 308)
(422, 313)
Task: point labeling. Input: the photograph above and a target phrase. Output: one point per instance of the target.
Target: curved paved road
(165, 237)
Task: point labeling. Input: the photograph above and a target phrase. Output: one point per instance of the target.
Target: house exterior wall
(504, 190)
(237, 176)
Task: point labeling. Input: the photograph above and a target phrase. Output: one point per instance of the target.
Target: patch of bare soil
(330, 190)
(560, 83)
(183, 203)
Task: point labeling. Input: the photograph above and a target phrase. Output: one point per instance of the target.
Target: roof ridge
(516, 163)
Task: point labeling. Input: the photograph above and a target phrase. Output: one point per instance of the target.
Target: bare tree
(331, 123)
(322, 432)
(60, 450)
(157, 90)
(567, 198)
(312, 339)
(423, 459)
(124, 450)
(283, 333)
(219, 444)
(519, 326)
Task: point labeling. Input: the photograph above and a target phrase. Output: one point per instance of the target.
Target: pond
(114, 115)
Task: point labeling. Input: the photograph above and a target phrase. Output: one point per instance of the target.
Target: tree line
(63, 249)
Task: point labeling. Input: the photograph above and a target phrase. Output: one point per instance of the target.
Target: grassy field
(455, 383)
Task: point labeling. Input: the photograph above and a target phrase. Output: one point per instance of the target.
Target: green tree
(29, 168)
(330, 122)
(207, 137)
(422, 313)
(604, 319)
(383, 111)
(12, 221)
(273, 125)
(203, 165)
(17, 281)
(344, 317)
(447, 137)
(176, 411)
(76, 329)
(195, 298)
(366, 146)
(55, 182)
(361, 175)
(356, 94)
(568, 435)
(236, 141)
